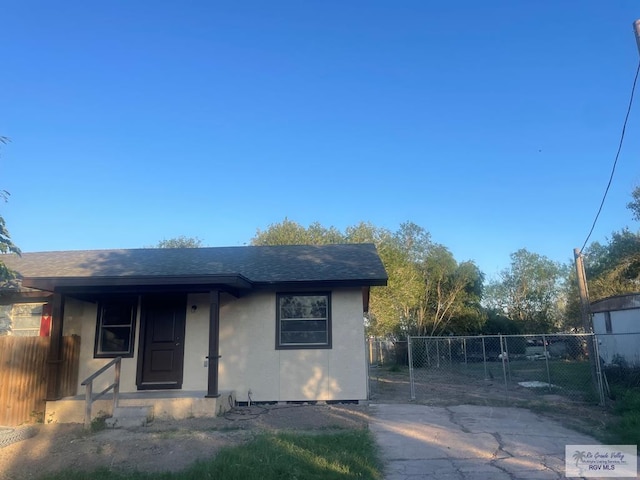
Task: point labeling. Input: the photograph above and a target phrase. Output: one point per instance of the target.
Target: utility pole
(585, 314)
(636, 29)
(585, 310)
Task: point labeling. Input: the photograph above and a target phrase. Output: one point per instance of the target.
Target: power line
(624, 128)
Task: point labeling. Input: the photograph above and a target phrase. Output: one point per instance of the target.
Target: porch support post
(214, 343)
(54, 360)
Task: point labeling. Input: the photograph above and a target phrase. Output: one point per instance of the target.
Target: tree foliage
(180, 242)
(452, 295)
(634, 204)
(614, 268)
(498, 323)
(288, 232)
(6, 244)
(528, 292)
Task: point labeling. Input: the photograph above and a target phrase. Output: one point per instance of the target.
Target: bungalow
(616, 323)
(267, 323)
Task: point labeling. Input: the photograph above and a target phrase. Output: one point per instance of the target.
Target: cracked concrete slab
(470, 442)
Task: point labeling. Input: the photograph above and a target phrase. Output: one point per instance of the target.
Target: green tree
(395, 312)
(572, 315)
(391, 307)
(529, 292)
(614, 268)
(180, 242)
(497, 323)
(6, 244)
(452, 294)
(289, 232)
(634, 204)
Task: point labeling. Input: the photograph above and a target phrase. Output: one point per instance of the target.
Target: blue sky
(492, 124)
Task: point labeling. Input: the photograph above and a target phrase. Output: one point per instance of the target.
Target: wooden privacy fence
(23, 382)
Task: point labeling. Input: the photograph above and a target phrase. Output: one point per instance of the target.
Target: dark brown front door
(161, 355)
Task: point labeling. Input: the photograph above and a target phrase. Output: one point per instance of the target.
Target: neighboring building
(270, 323)
(616, 322)
(25, 319)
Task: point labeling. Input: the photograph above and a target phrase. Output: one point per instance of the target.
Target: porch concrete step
(130, 416)
(165, 404)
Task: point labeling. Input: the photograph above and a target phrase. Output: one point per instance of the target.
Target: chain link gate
(506, 367)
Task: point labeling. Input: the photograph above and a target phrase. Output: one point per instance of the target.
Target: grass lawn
(626, 391)
(345, 455)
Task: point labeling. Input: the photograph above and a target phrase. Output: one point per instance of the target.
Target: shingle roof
(357, 263)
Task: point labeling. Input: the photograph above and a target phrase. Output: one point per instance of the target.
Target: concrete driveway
(470, 443)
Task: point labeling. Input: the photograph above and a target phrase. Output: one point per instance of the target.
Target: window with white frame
(26, 319)
(116, 327)
(303, 320)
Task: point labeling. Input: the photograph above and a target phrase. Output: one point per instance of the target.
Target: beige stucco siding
(250, 360)
(196, 343)
(347, 367)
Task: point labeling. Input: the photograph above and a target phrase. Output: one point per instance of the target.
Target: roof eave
(356, 283)
(51, 284)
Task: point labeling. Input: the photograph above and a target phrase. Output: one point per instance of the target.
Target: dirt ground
(174, 445)
(165, 445)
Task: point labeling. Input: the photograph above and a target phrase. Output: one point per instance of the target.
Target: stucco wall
(249, 360)
(196, 343)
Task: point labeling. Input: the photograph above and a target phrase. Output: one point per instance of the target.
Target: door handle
(177, 344)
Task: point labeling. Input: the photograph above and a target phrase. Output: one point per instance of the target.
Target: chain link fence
(506, 367)
(385, 352)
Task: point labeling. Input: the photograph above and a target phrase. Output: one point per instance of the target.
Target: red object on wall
(45, 320)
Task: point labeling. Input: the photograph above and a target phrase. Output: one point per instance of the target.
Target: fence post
(504, 367)
(411, 379)
(596, 349)
(484, 359)
(464, 349)
(546, 360)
